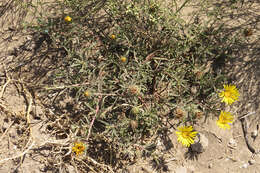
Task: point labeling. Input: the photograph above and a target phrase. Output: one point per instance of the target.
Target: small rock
(5, 126)
(244, 165)
(210, 165)
(251, 161)
(254, 134)
(28, 37)
(232, 142)
(15, 37)
(181, 170)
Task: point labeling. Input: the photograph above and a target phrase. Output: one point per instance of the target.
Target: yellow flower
(68, 19)
(225, 118)
(87, 93)
(186, 135)
(112, 36)
(78, 148)
(123, 59)
(135, 110)
(230, 94)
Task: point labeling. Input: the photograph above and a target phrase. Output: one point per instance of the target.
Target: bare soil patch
(27, 144)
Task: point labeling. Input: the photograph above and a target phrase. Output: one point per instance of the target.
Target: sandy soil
(223, 150)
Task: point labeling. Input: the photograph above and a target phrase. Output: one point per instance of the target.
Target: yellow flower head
(186, 135)
(225, 118)
(113, 36)
(123, 59)
(78, 148)
(87, 93)
(68, 19)
(230, 94)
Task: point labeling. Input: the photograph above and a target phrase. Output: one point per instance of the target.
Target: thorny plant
(124, 68)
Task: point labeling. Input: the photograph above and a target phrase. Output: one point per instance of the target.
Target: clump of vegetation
(116, 71)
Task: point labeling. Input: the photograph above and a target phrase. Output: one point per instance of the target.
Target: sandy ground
(223, 150)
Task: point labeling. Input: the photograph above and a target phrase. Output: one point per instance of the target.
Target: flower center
(227, 94)
(185, 134)
(225, 120)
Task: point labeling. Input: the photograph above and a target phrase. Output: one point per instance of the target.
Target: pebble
(244, 165)
(15, 37)
(251, 162)
(28, 37)
(232, 142)
(254, 134)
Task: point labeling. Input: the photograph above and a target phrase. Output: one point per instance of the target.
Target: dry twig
(19, 155)
(6, 131)
(99, 164)
(244, 128)
(31, 137)
(5, 85)
(94, 118)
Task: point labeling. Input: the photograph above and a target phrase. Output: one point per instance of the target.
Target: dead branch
(244, 128)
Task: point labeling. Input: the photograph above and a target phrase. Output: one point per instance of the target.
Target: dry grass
(172, 72)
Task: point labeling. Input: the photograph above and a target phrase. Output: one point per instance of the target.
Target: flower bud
(134, 90)
(134, 124)
(68, 19)
(123, 59)
(112, 36)
(135, 110)
(87, 93)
